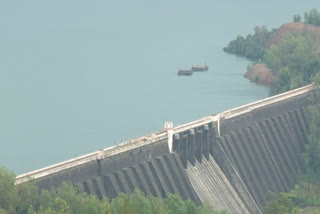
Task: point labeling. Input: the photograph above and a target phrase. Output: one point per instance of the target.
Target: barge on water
(200, 68)
(185, 72)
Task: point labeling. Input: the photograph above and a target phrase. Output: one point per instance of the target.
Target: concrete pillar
(212, 139)
(167, 175)
(124, 187)
(159, 178)
(199, 145)
(293, 121)
(80, 187)
(170, 139)
(206, 141)
(270, 159)
(112, 187)
(257, 157)
(191, 150)
(287, 143)
(151, 180)
(85, 187)
(275, 152)
(175, 143)
(183, 150)
(174, 172)
(191, 191)
(100, 186)
(140, 177)
(243, 144)
(301, 122)
(281, 151)
(218, 125)
(133, 183)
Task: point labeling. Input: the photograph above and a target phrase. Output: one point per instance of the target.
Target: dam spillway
(228, 160)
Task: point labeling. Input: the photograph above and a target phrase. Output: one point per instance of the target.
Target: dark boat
(200, 68)
(185, 72)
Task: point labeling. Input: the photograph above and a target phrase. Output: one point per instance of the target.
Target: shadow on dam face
(229, 161)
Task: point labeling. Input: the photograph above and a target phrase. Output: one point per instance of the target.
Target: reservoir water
(77, 76)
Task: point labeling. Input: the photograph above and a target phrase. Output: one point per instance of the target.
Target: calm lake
(77, 76)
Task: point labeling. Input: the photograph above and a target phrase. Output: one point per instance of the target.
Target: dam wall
(268, 154)
(265, 146)
(228, 160)
(258, 150)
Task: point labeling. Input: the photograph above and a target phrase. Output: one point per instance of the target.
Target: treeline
(26, 199)
(253, 46)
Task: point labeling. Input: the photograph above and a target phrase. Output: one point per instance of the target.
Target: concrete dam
(228, 160)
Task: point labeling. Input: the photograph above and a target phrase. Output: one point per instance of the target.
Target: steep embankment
(259, 72)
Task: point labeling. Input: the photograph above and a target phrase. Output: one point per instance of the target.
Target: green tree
(190, 207)
(46, 211)
(297, 18)
(283, 82)
(31, 210)
(29, 197)
(61, 206)
(139, 204)
(105, 206)
(158, 206)
(8, 194)
(206, 209)
(2, 211)
(120, 204)
(175, 205)
(280, 205)
(91, 205)
(312, 17)
(47, 199)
